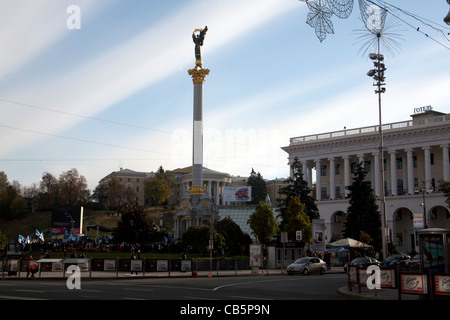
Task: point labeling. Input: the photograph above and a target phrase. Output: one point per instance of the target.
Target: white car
(307, 265)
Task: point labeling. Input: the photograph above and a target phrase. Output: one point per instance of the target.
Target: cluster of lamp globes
(378, 73)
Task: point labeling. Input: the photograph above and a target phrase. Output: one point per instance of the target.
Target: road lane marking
(27, 290)
(252, 298)
(19, 298)
(138, 289)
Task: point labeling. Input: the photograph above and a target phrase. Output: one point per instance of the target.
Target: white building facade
(416, 159)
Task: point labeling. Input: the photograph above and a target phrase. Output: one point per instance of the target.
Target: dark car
(413, 264)
(363, 262)
(395, 260)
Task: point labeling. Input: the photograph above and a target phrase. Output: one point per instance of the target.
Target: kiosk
(434, 246)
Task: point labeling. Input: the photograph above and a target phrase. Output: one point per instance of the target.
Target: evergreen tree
(363, 215)
(297, 187)
(258, 184)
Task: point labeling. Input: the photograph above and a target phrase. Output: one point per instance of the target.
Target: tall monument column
(198, 78)
(198, 75)
(196, 205)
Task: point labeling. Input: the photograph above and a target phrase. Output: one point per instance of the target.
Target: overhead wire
(384, 5)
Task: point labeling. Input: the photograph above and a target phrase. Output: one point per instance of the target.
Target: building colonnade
(403, 173)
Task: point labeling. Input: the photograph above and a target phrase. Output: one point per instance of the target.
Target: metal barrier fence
(427, 284)
(93, 267)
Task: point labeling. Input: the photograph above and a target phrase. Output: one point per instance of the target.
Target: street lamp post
(424, 190)
(378, 75)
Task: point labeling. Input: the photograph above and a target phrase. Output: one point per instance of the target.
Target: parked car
(363, 262)
(395, 260)
(413, 264)
(307, 265)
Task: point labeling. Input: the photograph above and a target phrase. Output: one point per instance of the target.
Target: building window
(323, 193)
(338, 192)
(337, 169)
(399, 163)
(399, 186)
(368, 166)
(323, 171)
(137, 189)
(431, 158)
(353, 167)
(415, 162)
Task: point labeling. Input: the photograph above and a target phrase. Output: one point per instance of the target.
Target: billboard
(64, 218)
(232, 194)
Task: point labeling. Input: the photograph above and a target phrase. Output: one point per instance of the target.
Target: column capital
(198, 74)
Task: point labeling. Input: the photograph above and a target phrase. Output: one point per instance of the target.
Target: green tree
(7, 197)
(233, 236)
(3, 240)
(73, 188)
(114, 194)
(297, 220)
(19, 207)
(444, 186)
(363, 215)
(134, 227)
(159, 188)
(197, 238)
(296, 187)
(3, 181)
(258, 184)
(263, 223)
(49, 191)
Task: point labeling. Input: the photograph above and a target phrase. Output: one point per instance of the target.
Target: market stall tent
(349, 243)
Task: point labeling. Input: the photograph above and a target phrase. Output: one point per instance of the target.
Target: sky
(99, 85)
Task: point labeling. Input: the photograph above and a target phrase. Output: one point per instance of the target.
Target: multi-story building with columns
(416, 159)
(213, 182)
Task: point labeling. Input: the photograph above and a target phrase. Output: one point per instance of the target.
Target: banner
(233, 194)
(255, 255)
(319, 240)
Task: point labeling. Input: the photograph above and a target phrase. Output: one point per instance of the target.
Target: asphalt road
(261, 288)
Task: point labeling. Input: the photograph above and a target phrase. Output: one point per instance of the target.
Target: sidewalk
(382, 294)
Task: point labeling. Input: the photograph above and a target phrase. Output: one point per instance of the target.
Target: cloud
(145, 59)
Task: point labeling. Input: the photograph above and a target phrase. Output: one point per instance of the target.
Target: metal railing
(92, 267)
